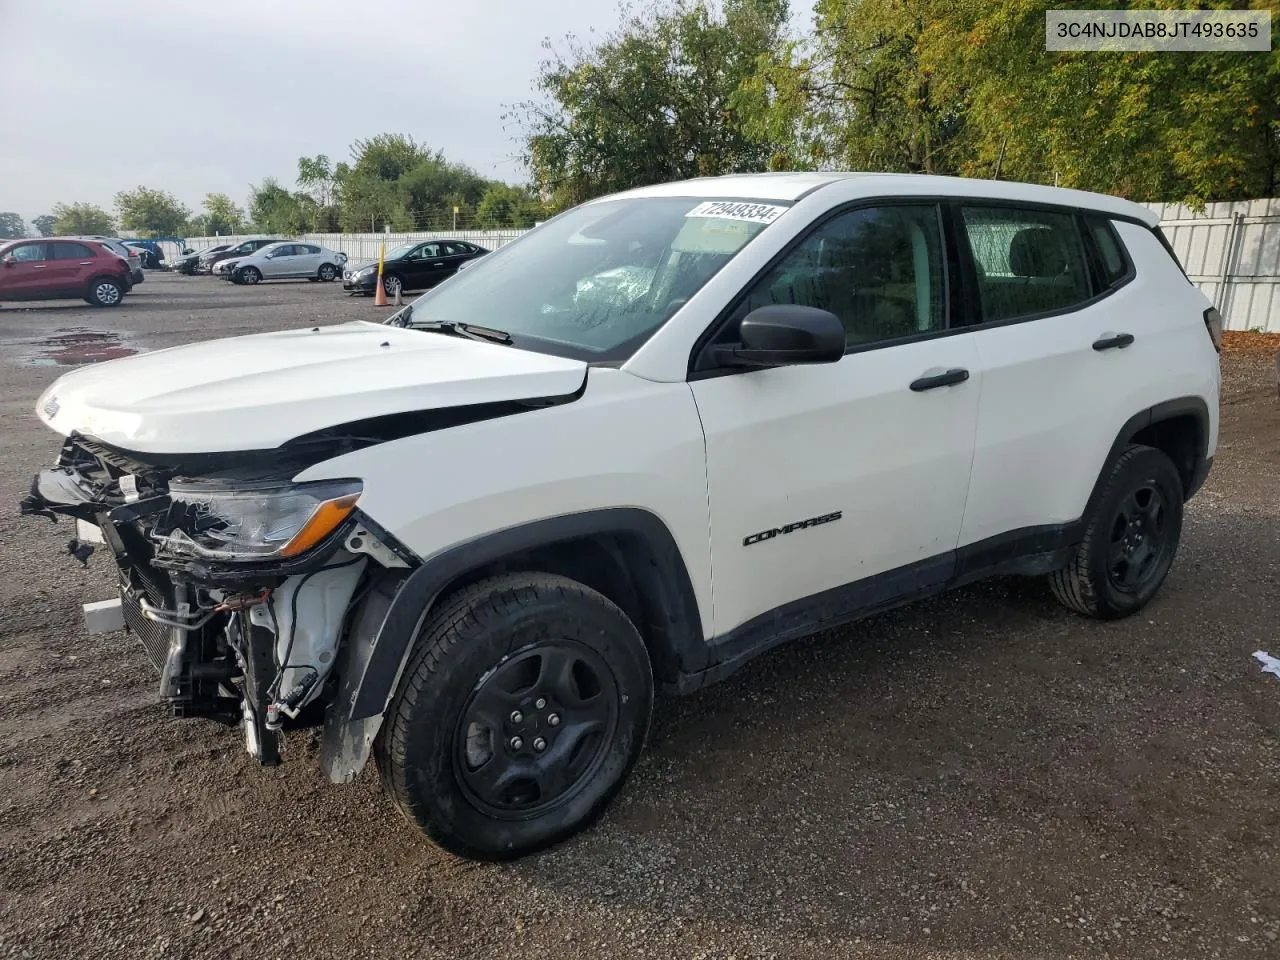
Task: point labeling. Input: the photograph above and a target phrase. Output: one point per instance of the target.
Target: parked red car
(56, 269)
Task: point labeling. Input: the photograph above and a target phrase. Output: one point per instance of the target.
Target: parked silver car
(288, 259)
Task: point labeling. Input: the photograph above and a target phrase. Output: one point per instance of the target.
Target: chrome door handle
(86, 263)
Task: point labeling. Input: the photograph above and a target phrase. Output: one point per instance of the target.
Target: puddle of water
(70, 348)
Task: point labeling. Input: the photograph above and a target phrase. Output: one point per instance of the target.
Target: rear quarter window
(71, 251)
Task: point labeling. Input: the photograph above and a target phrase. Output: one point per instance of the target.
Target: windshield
(401, 250)
(597, 281)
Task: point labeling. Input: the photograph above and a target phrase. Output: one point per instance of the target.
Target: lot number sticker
(729, 210)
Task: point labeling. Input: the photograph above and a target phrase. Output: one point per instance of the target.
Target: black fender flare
(666, 573)
(1194, 407)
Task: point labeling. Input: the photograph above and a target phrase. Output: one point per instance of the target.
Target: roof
(792, 186)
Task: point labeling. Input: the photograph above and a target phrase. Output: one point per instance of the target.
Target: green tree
(658, 99)
(317, 179)
(151, 212)
(966, 87)
(274, 209)
(221, 216)
(502, 205)
(45, 224)
(11, 226)
(394, 181)
(81, 218)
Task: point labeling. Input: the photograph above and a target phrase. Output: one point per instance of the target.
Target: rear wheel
(327, 272)
(1130, 539)
(105, 292)
(522, 712)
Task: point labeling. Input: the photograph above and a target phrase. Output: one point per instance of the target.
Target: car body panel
(260, 390)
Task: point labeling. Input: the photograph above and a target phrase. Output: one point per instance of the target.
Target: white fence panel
(364, 246)
(1231, 251)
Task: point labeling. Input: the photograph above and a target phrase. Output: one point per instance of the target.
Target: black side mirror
(782, 334)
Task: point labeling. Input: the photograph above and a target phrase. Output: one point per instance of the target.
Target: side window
(71, 251)
(1114, 265)
(879, 269)
(1027, 261)
(453, 249)
(29, 252)
(309, 249)
(288, 250)
(429, 251)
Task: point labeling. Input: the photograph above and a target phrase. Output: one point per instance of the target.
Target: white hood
(258, 391)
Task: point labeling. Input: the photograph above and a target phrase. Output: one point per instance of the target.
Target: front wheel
(250, 275)
(391, 285)
(1130, 539)
(523, 710)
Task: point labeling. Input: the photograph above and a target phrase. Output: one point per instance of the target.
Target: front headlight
(366, 272)
(263, 521)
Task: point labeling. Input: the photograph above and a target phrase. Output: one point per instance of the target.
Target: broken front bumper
(260, 644)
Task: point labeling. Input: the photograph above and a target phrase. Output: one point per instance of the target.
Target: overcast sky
(198, 96)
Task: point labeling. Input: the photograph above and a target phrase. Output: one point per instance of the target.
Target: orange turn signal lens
(320, 524)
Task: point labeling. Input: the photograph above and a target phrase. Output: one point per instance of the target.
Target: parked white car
(472, 540)
(286, 260)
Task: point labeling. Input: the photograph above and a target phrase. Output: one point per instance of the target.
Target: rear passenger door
(70, 265)
(1055, 311)
(282, 261)
(307, 261)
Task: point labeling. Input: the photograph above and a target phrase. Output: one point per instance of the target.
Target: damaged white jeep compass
(656, 436)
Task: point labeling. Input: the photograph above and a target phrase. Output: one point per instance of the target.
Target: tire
(328, 273)
(390, 284)
(1130, 539)
(476, 692)
(105, 292)
(249, 275)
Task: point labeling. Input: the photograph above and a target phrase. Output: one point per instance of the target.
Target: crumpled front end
(241, 585)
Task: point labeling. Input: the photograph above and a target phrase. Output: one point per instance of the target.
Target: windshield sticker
(729, 210)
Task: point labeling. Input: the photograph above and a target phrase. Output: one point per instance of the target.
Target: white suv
(652, 438)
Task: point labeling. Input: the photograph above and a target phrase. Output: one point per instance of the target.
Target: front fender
(381, 640)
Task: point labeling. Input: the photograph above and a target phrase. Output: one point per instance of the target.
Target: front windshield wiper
(471, 330)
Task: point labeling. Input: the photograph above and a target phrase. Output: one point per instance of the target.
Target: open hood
(258, 391)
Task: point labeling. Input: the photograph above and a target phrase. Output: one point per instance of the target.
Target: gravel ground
(978, 776)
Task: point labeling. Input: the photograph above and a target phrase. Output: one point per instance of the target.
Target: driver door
(24, 275)
(280, 262)
(841, 486)
(426, 266)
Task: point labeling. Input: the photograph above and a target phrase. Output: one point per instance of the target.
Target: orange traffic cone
(380, 294)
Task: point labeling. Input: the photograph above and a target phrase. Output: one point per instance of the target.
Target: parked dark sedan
(208, 262)
(411, 266)
(190, 259)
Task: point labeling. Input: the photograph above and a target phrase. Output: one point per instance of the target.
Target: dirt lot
(979, 776)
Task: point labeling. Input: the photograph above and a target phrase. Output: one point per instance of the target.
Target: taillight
(1213, 323)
